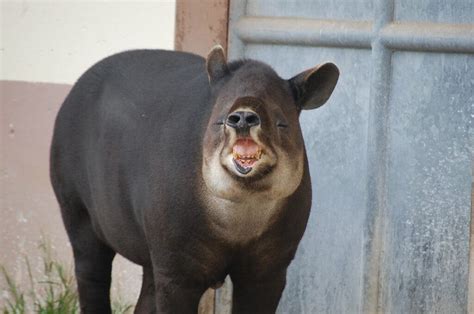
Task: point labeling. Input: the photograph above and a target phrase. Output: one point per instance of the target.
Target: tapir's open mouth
(246, 153)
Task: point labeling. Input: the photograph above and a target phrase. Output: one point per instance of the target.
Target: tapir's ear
(216, 64)
(313, 87)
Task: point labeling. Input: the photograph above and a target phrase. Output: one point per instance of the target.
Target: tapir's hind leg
(146, 301)
(92, 261)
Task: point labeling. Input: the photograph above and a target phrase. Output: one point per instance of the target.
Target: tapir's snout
(245, 151)
(242, 120)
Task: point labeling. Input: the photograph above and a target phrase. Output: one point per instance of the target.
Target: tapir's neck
(240, 222)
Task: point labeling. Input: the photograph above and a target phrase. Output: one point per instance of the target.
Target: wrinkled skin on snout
(193, 168)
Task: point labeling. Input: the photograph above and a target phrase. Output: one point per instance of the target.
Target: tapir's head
(253, 141)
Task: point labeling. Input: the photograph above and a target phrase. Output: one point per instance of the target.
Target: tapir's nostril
(233, 119)
(252, 119)
(242, 119)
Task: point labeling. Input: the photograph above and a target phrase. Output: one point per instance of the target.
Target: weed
(54, 293)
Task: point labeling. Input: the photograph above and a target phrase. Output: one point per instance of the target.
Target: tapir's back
(131, 118)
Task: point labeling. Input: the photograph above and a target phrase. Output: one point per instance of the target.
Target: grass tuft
(54, 293)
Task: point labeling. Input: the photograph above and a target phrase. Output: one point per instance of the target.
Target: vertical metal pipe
(470, 295)
(377, 159)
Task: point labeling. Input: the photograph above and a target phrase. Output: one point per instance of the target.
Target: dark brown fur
(127, 169)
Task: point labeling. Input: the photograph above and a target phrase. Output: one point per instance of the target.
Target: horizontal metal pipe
(429, 37)
(356, 34)
(306, 32)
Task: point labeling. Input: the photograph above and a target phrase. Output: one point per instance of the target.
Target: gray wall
(390, 154)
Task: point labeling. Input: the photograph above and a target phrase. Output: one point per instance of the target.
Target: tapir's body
(134, 167)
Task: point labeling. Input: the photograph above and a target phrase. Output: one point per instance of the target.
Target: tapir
(193, 168)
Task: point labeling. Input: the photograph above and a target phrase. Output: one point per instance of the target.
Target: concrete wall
(45, 46)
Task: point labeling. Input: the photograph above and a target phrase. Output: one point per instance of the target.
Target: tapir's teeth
(247, 157)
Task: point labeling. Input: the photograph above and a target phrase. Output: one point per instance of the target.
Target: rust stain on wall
(200, 25)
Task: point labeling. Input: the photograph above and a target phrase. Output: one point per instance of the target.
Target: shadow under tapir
(195, 169)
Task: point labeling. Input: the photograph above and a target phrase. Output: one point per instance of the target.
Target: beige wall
(54, 42)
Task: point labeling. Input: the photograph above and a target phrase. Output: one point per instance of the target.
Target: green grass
(54, 293)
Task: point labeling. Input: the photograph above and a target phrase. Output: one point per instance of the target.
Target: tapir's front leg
(176, 296)
(258, 296)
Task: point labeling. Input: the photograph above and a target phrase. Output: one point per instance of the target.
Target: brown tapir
(194, 169)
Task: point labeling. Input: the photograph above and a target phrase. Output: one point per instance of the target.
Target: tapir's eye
(282, 124)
